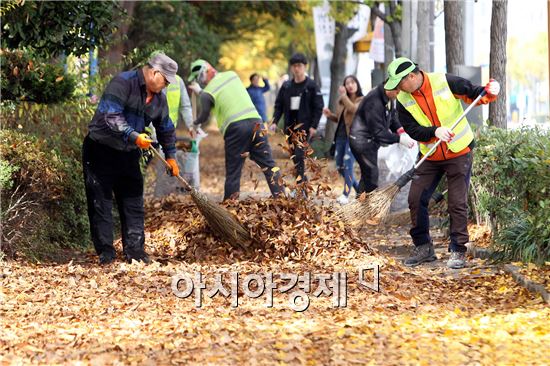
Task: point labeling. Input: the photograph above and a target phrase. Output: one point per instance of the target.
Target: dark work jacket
(311, 105)
(373, 121)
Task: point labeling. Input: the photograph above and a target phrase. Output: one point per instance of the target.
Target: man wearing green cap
(239, 122)
(428, 105)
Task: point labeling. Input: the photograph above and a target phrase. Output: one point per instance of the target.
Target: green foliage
(52, 28)
(8, 5)
(393, 10)
(343, 11)
(26, 78)
(41, 144)
(233, 19)
(511, 190)
(298, 36)
(193, 29)
(6, 175)
(173, 27)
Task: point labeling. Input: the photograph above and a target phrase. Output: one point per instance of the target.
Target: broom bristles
(220, 221)
(375, 206)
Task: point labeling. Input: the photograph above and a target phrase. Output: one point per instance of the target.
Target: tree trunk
(497, 63)
(423, 54)
(337, 70)
(395, 26)
(111, 56)
(454, 42)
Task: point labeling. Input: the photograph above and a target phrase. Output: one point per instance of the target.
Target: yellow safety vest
(231, 100)
(448, 109)
(173, 97)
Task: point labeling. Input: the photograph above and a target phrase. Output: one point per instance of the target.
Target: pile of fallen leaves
(281, 228)
(82, 313)
(481, 235)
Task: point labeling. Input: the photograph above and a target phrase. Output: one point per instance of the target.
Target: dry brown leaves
(280, 228)
(481, 235)
(126, 314)
(537, 274)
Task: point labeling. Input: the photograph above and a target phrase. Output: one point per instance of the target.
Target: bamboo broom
(376, 205)
(222, 222)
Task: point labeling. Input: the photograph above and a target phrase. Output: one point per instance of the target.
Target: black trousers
(242, 137)
(108, 171)
(428, 175)
(298, 148)
(365, 152)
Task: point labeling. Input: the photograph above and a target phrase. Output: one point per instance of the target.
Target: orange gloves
(143, 141)
(174, 168)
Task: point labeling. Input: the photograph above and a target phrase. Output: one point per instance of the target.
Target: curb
(528, 284)
(520, 279)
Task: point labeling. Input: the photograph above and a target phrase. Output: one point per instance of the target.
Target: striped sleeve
(112, 107)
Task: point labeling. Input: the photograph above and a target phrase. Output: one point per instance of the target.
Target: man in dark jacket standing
(111, 155)
(375, 124)
(300, 102)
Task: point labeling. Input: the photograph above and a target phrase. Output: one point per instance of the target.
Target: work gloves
(405, 139)
(174, 169)
(195, 87)
(492, 87)
(143, 141)
(444, 134)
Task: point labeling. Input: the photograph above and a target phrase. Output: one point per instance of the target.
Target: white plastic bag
(190, 168)
(398, 159)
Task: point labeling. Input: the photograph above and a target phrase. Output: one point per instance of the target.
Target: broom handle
(472, 105)
(180, 178)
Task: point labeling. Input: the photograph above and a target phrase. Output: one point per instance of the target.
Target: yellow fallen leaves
(55, 315)
(80, 313)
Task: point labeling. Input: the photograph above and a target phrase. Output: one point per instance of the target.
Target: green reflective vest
(231, 100)
(448, 109)
(173, 97)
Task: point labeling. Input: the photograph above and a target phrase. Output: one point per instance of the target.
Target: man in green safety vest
(244, 134)
(179, 105)
(428, 105)
(179, 110)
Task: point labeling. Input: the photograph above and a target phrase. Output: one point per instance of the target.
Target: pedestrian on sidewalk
(428, 104)
(375, 124)
(350, 98)
(300, 102)
(111, 155)
(257, 92)
(239, 122)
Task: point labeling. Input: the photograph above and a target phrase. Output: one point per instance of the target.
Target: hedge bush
(511, 191)
(26, 78)
(44, 203)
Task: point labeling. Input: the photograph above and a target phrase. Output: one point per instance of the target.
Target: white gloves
(444, 134)
(195, 87)
(200, 133)
(492, 87)
(406, 140)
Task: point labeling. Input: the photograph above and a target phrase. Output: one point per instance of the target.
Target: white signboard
(324, 41)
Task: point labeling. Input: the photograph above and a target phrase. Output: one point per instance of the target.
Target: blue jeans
(344, 163)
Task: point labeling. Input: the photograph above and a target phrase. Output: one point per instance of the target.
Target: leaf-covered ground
(80, 313)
